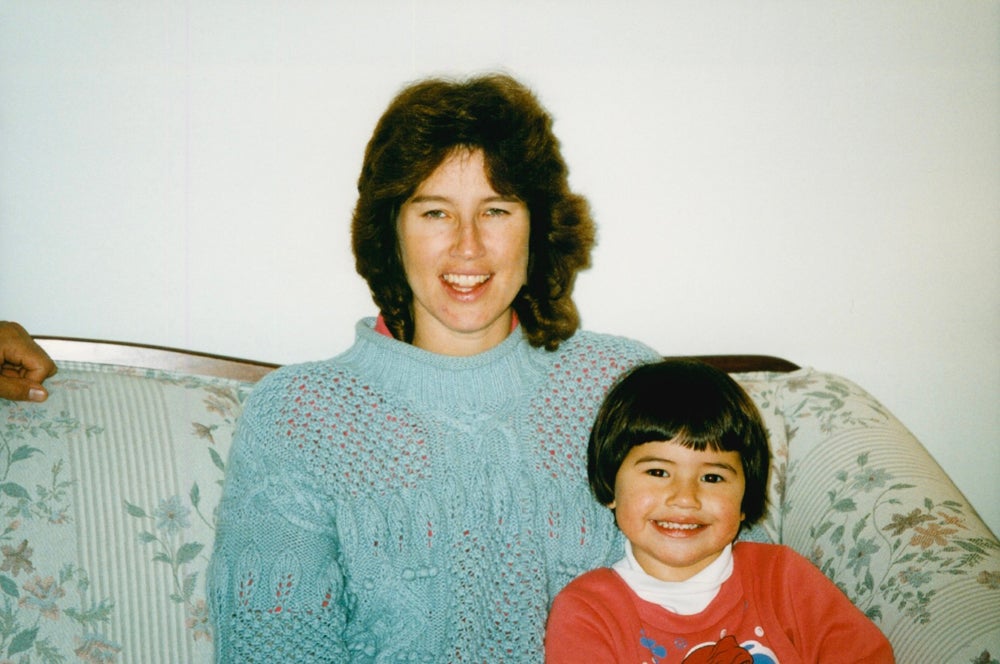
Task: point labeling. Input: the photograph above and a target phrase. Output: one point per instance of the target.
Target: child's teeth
(677, 526)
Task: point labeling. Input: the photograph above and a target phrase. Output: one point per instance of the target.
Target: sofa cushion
(107, 499)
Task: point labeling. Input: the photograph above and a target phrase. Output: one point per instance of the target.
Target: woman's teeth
(465, 280)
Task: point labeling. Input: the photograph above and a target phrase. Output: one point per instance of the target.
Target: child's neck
(682, 597)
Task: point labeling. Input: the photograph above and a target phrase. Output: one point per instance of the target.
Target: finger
(20, 389)
(42, 368)
(19, 351)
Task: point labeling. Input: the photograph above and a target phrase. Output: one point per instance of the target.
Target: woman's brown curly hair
(422, 126)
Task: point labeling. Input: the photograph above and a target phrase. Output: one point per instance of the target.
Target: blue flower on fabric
(860, 557)
(871, 479)
(171, 515)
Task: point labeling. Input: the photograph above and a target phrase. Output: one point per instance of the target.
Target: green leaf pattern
(169, 522)
(888, 538)
(37, 602)
(50, 615)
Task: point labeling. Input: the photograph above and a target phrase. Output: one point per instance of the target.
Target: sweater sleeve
(822, 622)
(583, 624)
(274, 585)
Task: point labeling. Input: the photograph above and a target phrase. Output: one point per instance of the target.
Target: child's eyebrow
(653, 459)
(710, 464)
(723, 466)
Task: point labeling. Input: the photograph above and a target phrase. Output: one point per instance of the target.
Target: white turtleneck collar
(682, 597)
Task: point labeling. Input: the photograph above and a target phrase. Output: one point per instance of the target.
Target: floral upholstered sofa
(108, 492)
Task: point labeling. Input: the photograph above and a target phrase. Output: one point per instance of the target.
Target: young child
(679, 454)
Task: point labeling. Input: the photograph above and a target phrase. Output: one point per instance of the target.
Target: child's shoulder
(596, 576)
(765, 549)
(759, 548)
(760, 551)
(763, 559)
(595, 582)
(600, 591)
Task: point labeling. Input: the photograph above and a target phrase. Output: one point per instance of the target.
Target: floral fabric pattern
(856, 493)
(108, 494)
(107, 500)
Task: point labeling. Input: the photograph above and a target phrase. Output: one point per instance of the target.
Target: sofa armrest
(861, 497)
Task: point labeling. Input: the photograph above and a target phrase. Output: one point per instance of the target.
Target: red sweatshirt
(775, 608)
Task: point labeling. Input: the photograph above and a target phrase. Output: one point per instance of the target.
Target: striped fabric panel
(119, 437)
(135, 459)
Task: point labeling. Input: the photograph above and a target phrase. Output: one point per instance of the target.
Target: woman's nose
(468, 240)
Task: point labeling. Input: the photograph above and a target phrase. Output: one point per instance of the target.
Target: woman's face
(464, 249)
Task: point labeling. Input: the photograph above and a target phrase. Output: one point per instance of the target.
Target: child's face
(679, 507)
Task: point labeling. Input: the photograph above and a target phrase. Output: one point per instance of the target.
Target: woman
(423, 495)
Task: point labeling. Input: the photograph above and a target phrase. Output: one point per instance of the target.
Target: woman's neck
(455, 345)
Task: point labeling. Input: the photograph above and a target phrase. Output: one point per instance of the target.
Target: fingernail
(35, 394)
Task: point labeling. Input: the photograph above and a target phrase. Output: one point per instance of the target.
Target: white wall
(817, 180)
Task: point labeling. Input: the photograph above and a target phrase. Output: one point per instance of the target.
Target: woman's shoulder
(295, 374)
(286, 383)
(590, 344)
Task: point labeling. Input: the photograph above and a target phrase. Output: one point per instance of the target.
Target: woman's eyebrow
(428, 198)
(434, 198)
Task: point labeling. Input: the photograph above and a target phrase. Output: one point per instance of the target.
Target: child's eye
(657, 472)
(712, 478)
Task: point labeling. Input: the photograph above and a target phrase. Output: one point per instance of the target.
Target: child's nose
(684, 493)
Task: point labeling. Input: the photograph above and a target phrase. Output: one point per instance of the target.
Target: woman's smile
(465, 284)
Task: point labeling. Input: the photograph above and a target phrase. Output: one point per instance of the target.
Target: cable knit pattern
(396, 505)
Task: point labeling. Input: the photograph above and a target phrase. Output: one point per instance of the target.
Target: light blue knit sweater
(393, 505)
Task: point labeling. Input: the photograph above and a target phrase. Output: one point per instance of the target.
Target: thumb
(19, 389)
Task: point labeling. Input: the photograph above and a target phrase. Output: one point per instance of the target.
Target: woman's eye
(435, 214)
(496, 212)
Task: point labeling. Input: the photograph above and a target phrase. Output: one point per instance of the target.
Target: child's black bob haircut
(687, 402)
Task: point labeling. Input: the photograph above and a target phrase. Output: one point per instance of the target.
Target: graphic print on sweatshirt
(727, 650)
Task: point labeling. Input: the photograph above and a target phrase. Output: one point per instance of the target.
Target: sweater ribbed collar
(481, 383)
